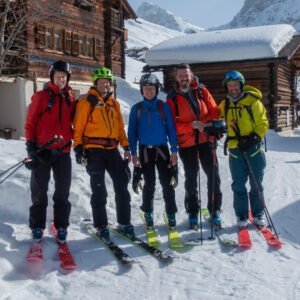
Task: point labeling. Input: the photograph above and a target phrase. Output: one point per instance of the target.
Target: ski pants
(190, 157)
(150, 158)
(110, 160)
(240, 173)
(40, 177)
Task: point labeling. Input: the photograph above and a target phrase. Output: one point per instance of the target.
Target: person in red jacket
(49, 134)
(193, 106)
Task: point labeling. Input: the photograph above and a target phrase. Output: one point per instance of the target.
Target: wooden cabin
(85, 33)
(275, 76)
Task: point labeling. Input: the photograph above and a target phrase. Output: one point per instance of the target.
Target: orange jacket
(186, 135)
(103, 120)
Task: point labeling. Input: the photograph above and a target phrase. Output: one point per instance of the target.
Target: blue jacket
(151, 126)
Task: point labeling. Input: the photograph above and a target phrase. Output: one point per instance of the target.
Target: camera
(215, 128)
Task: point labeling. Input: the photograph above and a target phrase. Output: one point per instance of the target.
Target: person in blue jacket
(151, 128)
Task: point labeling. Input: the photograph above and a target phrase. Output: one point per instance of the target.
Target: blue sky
(202, 13)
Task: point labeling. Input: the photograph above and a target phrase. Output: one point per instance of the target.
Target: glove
(127, 169)
(136, 180)
(79, 155)
(32, 162)
(246, 142)
(174, 176)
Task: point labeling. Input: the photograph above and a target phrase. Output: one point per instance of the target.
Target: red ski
(269, 236)
(65, 256)
(35, 253)
(244, 238)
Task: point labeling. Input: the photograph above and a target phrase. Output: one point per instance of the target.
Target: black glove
(246, 142)
(136, 180)
(32, 162)
(79, 154)
(174, 176)
(127, 169)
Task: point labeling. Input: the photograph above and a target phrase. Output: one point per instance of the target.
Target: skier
(193, 106)
(50, 114)
(245, 116)
(98, 129)
(151, 126)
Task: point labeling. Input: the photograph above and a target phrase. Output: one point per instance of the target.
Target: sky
(202, 13)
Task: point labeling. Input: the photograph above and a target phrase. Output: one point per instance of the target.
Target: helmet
(149, 80)
(61, 66)
(235, 76)
(102, 73)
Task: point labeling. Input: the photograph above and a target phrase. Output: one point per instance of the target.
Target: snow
(222, 45)
(204, 272)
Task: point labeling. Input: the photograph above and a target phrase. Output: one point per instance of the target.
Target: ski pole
(20, 162)
(200, 204)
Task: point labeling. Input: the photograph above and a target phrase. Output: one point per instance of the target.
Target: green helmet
(102, 73)
(235, 76)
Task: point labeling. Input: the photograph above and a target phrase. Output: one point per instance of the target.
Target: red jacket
(42, 122)
(186, 135)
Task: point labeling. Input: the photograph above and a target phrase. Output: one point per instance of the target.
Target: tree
(14, 17)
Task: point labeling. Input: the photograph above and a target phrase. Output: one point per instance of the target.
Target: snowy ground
(204, 272)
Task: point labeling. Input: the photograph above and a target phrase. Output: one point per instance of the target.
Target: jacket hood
(252, 91)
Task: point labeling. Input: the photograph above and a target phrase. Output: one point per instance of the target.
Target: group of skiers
(188, 123)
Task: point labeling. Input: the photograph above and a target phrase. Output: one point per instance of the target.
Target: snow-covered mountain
(257, 12)
(158, 15)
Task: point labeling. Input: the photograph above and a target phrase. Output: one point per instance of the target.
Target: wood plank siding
(85, 33)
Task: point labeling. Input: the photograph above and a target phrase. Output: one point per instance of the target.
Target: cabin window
(115, 19)
(97, 49)
(68, 42)
(58, 40)
(75, 44)
(85, 4)
(48, 41)
(89, 46)
(81, 44)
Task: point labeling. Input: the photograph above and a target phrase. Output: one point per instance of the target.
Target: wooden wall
(274, 78)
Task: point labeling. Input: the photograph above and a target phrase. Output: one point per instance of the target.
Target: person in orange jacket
(49, 134)
(98, 130)
(193, 106)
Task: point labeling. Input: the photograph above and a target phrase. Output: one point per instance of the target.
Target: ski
(218, 230)
(67, 261)
(152, 237)
(175, 242)
(121, 256)
(244, 238)
(269, 236)
(35, 253)
(158, 254)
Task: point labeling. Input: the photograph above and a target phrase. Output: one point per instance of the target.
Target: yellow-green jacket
(248, 113)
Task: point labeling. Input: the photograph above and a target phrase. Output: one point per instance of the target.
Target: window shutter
(41, 36)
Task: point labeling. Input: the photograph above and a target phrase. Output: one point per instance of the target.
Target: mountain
(158, 15)
(257, 12)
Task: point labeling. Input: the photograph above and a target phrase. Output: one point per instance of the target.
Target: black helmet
(149, 79)
(61, 66)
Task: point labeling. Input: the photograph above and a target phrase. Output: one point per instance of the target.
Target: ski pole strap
(228, 138)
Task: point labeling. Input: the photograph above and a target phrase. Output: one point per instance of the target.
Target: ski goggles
(233, 75)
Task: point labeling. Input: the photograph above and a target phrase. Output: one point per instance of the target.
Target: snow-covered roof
(222, 45)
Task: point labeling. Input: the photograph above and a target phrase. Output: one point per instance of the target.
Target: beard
(184, 86)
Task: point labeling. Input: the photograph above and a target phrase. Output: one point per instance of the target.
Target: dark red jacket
(42, 122)
(186, 135)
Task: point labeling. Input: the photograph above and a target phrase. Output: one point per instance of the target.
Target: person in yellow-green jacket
(98, 130)
(245, 117)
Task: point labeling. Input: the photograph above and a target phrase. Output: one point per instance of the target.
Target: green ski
(175, 242)
(152, 237)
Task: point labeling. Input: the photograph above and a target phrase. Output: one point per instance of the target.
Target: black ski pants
(190, 157)
(62, 168)
(110, 160)
(151, 157)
